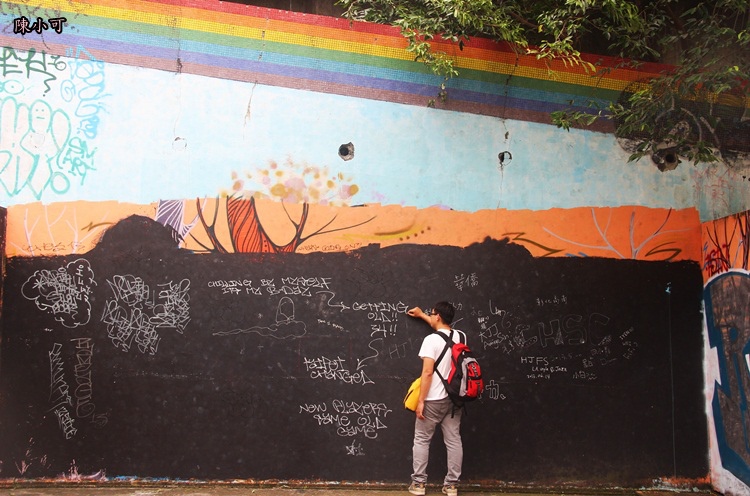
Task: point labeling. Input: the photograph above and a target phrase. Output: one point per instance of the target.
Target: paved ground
(204, 489)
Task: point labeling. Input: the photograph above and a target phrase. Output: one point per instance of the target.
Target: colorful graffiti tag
(50, 111)
(726, 260)
(728, 324)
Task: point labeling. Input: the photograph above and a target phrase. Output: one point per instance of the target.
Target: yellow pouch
(412, 395)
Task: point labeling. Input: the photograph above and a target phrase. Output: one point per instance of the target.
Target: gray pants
(438, 413)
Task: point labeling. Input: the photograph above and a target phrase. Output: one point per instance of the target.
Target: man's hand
(415, 312)
(420, 410)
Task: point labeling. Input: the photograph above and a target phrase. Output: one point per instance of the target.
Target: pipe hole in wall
(665, 159)
(504, 158)
(346, 151)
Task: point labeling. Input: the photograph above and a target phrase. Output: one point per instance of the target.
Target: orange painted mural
(240, 223)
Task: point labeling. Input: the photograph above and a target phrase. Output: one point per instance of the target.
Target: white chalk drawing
(285, 327)
(135, 314)
(59, 392)
(64, 292)
(85, 407)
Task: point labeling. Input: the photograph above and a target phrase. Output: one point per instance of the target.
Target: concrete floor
(206, 489)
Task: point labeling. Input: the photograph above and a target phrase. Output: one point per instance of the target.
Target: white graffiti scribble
(355, 449)
(334, 370)
(65, 421)
(64, 292)
(59, 392)
(173, 310)
(85, 407)
(135, 313)
(350, 418)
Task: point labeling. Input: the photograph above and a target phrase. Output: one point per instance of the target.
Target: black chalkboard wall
(140, 359)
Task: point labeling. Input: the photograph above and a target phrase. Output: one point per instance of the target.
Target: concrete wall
(164, 109)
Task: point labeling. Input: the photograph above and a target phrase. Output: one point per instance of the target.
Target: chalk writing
(307, 247)
(300, 286)
(350, 418)
(593, 345)
(552, 300)
(334, 325)
(492, 389)
(584, 375)
(65, 421)
(135, 314)
(334, 370)
(85, 407)
(380, 307)
(355, 449)
(512, 333)
(64, 292)
(292, 286)
(461, 281)
(236, 286)
(540, 367)
(59, 392)
(23, 26)
(54, 247)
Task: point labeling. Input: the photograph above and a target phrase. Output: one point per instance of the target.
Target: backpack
(464, 382)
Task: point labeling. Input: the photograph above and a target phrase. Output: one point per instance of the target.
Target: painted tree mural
(236, 210)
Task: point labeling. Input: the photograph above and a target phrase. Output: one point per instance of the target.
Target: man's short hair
(445, 310)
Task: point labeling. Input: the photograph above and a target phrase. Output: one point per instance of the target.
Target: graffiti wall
(141, 359)
(726, 255)
(288, 173)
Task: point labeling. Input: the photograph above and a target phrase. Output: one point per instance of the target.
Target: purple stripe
(120, 52)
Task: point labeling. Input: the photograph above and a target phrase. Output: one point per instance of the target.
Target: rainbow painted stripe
(316, 53)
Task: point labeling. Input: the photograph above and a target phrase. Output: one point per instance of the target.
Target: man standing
(434, 407)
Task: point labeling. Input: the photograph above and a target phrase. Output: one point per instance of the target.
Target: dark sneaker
(450, 490)
(417, 488)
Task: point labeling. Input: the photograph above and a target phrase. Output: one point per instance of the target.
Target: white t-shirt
(432, 346)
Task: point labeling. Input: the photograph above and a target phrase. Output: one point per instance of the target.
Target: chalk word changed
(334, 370)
